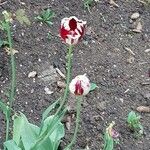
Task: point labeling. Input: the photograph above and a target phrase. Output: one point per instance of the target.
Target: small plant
(7, 108)
(49, 36)
(3, 43)
(47, 136)
(87, 4)
(46, 16)
(22, 17)
(110, 137)
(134, 124)
(3, 27)
(27, 136)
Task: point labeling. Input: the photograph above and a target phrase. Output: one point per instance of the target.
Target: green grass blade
(4, 108)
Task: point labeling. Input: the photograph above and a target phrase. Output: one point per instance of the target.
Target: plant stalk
(79, 101)
(69, 64)
(13, 80)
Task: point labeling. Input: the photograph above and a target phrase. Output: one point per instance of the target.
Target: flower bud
(72, 30)
(80, 85)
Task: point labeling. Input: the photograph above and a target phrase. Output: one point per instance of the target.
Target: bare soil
(102, 55)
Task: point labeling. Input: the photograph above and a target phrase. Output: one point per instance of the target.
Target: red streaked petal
(63, 33)
(73, 24)
(78, 88)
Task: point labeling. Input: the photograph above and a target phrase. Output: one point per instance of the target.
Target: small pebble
(32, 74)
(61, 84)
(47, 91)
(32, 91)
(145, 109)
(130, 60)
(147, 50)
(135, 15)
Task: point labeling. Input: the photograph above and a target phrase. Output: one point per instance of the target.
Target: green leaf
(11, 145)
(1, 42)
(29, 133)
(56, 136)
(22, 17)
(109, 144)
(93, 86)
(48, 128)
(53, 140)
(132, 118)
(49, 109)
(24, 132)
(46, 16)
(17, 128)
(49, 23)
(4, 107)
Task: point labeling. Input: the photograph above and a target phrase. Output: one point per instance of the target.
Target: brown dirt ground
(101, 54)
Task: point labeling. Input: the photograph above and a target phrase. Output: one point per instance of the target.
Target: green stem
(69, 63)
(7, 129)
(13, 69)
(79, 100)
(13, 80)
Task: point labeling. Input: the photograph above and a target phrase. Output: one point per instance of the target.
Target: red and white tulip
(80, 85)
(72, 30)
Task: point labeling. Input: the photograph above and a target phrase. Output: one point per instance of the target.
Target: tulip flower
(80, 85)
(72, 29)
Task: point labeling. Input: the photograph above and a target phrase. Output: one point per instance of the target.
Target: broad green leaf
(49, 109)
(48, 128)
(22, 17)
(56, 136)
(93, 86)
(24, 132)
(52, 142)
(11, 145)
(29, 133)
(45, 145)
(18, 125)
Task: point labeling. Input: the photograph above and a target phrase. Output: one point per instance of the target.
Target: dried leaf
(138, 28)
(145, 109)
(130, 60)
(112, 2)
(129, 50)
(22, 17)
(7, 49)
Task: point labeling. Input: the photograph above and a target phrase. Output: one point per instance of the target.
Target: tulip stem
(69, 64)
(79, 101)
(13, 78)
